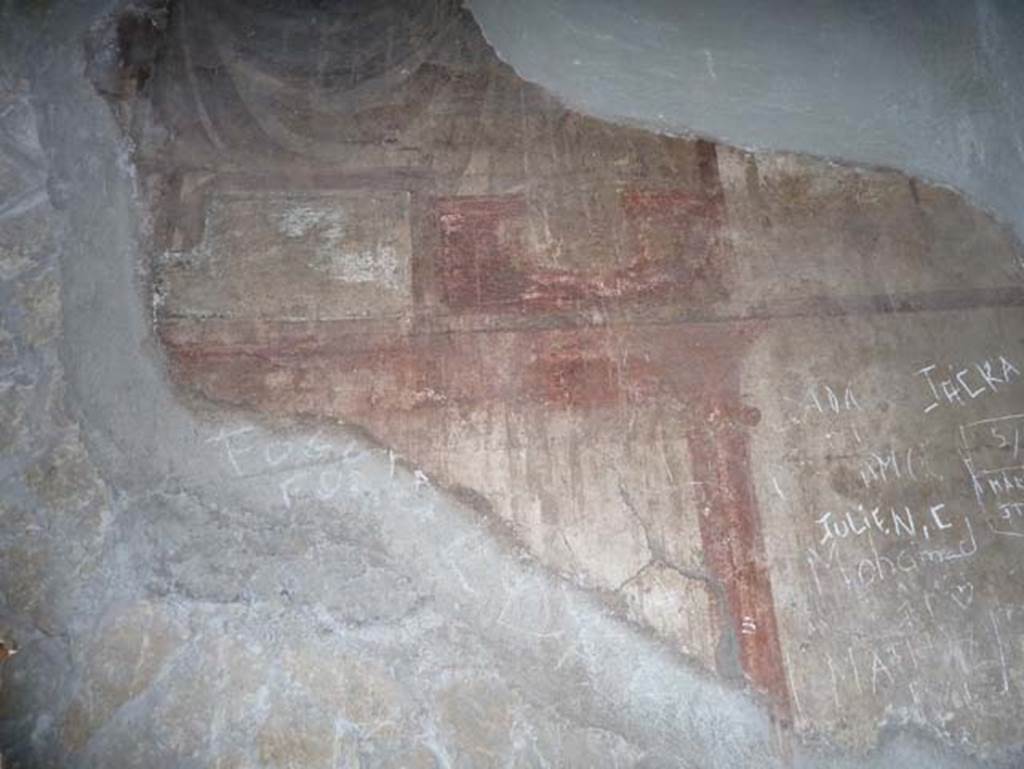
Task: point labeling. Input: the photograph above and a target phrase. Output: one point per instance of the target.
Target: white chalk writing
(966, 383)
(902, 522)
(860, 573)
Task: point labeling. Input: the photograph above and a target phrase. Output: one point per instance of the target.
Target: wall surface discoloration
(451, 427)
(562, 311)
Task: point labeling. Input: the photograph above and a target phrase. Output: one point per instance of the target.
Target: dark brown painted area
(480, 250)
(672, 242)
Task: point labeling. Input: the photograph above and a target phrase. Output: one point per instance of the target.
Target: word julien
(891, 522)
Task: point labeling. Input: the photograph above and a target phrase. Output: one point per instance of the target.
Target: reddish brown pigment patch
(730, 526)
(673, 238)
(674, 235)
(575, 374)
(364, 376)
(480, 249)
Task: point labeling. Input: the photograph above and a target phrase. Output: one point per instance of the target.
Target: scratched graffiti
(903, 598)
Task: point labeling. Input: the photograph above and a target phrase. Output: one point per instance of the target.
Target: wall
(932, 88)
(256, 586)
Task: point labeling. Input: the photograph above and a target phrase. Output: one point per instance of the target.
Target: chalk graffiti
(967, 383)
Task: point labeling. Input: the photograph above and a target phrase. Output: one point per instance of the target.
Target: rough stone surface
(361, 405)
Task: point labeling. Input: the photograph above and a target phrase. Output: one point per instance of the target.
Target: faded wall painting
(767, 408)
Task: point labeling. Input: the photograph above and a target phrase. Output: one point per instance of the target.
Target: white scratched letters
(966, 383)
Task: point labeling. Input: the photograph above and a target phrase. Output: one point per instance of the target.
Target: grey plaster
(933, 88)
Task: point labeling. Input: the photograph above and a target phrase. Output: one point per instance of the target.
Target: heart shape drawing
(962, 594)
